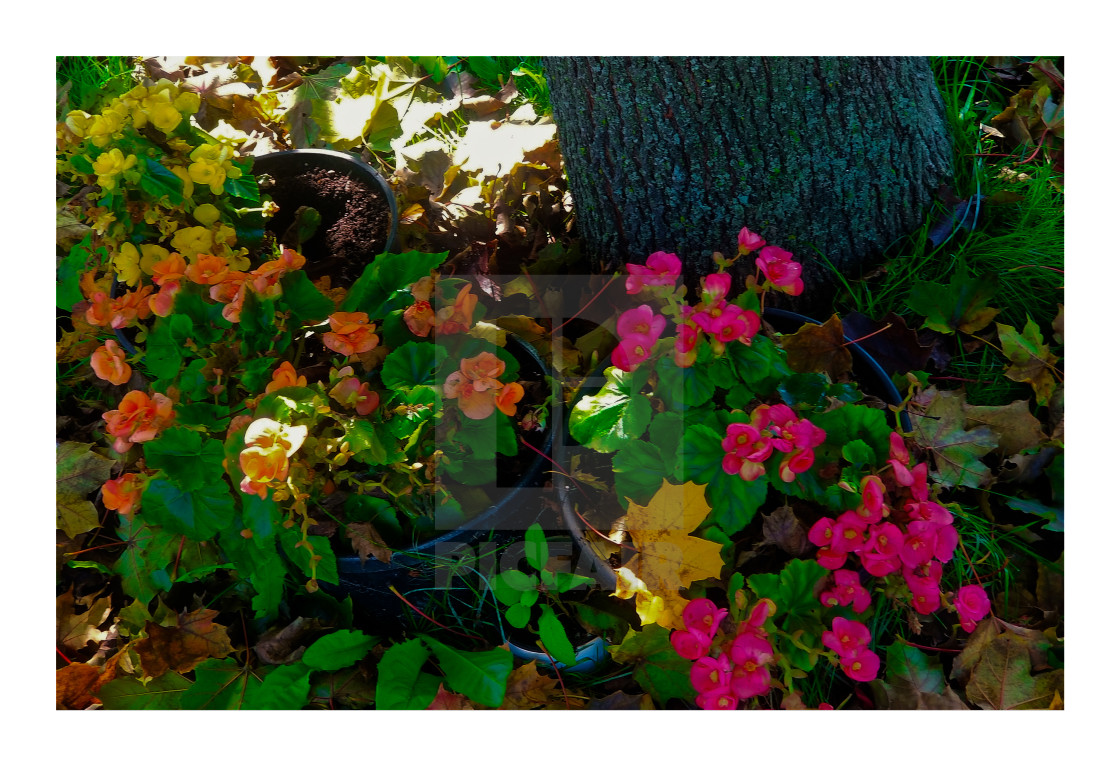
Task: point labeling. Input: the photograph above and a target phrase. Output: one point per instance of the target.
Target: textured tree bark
(827, 157)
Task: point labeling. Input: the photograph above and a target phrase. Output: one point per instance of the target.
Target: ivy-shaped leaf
(956, 451)
(960, 305)
(78, 472)
(657, 667)
(1031, 360)
(188, 459)
(220, 685)
(197, 513)
(819, 348)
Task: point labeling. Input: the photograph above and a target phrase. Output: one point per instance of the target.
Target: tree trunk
(821, 156)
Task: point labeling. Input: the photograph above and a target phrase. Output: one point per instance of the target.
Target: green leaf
(859, 453)
(683, 387)
(257, 326)
(337, 650)
(481, 676)
(536, 547)
(960, 305)
(158, 181)
(956, 451)
(303, 298)
(220, 685)
(127, 693)
(1055, 517)
(285, 688)
(761, 365)
(519, 615)
(148, 552)
(638, 472)
(326, 569)
(245, 187)
(78, 472)
(555, 640)
(70, 270)
(1031, 360)
(413, 364)
(735, 501)
(197, 513)
(400, 684)
(666, 430)
(388, 273)
(163, 352)
(657, 667)
(611, 417)
(188, 459)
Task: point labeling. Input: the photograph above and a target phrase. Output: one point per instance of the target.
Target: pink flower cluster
(850, 640)
(724, 322)
(661, 269)
(639, 330)
(915, 537)
(777, 265)
(740, 670)
(771, 428)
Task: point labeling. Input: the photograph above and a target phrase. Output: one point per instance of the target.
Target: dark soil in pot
(356, 214)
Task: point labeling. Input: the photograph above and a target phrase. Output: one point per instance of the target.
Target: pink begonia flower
(747, 442)
(864, 666)
(927, 511)
(871, 505)
(750, 646)
(751, 677)
(749, 241)
(879, 564)
(831, 559)
(926, 594)
(661, 269)
(780, 270)
(848, 533)
(885, 539)
(945, 544)
(796, 462)
(821, 533)
(690, 644)
(918, 545)
(640, 321)
(729, 325)
(847, 637)
(900, 460)
(850, 591)
(972, 605)
(760, 613)
(718, 699)
(702, 614)
(685, 345)
(919, 490)
(715, 287)
(351, 392)
(709, 674)
(632, 351)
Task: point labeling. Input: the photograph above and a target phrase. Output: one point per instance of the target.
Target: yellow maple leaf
(668, 557)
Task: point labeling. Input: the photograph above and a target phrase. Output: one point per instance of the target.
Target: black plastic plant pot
(459, 559)
(870, 374)
(356, 205)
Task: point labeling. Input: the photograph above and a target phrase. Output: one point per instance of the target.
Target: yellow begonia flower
(266, 433)
(102, 219)
(78, 122)
(165, 116)
(188, 102)
(208, 173)
(193, 240)
(103, 126)
(206, 214)
(150, 255)
(109, 165)
(127, 264)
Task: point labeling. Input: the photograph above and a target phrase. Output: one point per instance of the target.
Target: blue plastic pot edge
(893, 395)
(353, 564)
(589, 656)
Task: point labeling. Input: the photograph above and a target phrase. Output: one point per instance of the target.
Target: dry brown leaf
(367, 542)
(76, 630)
(819, 348)
(181, 648)
(527, 689)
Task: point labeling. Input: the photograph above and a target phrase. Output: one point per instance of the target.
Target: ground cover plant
(742, 510)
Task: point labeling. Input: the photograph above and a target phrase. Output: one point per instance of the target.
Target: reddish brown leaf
(367, 542)
(896, 349)
(527, 689)
(446, 700)
(181, 648)
(819, 348)
(74, 686)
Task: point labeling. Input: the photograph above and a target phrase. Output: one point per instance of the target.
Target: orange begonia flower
(475, 404)
(123, 493)
(350, 392)
(138, 418)
(108, 363)
(460, 316)
(507, 398)
(162, 302)
(130, 306)
(171, 269)
(419, 318)
(350, 333)
(262, 467)
(100, 312)
(264, 432)
(483, 370)
(266, 277)
(284, 376)
(208, 270)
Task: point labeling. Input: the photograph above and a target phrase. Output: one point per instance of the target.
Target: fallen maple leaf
(956, 451)
(79, 471)
(960, 305)
(75, 685)
(181, 648)
(889, 341)
(1031, 360)
(76, 630)
(819, 348)
(446, 700)
(1014, 425)
(668, 558)
(527, 689)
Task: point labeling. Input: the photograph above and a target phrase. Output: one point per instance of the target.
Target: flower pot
(425, 566)
(357, 207)
(590, 656)
(870, 374)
